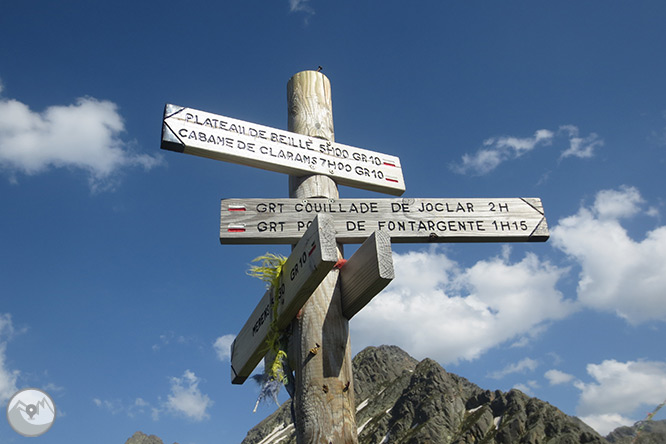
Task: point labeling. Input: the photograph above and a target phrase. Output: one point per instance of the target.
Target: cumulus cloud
(557, 377)
(618, 204)
(222, 347)
(437, 309)
(8, 377)
(618, 390)
(186, 399)
(497, 150)
(82, 136)
(618, 273)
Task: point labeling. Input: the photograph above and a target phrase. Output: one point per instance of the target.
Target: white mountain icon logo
(31, 412)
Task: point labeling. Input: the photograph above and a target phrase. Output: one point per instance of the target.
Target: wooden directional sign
(366, 273)
(283, 221)
(190, 131)
(311, 259)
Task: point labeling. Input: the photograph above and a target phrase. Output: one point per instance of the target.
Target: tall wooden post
(320, 350)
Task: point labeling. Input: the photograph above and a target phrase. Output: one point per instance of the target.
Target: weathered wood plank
(190, 131)
(308, 264)
(320, 349)
(281, 221)
(366, 273)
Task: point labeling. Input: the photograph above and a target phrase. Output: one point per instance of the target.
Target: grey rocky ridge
(402, 400)
(653, 432)
(142, 438)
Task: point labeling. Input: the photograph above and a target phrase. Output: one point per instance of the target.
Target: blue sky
(117, 298)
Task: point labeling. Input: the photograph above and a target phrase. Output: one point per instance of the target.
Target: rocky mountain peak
(402, 400)
(142, 438)
(653, 432)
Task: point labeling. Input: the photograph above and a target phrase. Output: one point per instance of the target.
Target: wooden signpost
(316, 221)
(364, 275)
(308, 264)
(190, 131)
(283, 221)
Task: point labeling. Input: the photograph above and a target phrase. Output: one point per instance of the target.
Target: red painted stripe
(236, 230)
(392, 180)
(389, 164)
(314, 247)
(236, 209)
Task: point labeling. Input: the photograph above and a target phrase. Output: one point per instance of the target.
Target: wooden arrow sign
(283, 221)
(190, 131)
(311, 259)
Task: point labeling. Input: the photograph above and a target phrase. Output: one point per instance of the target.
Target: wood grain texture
(410, 220)
(310, 105)
(366, 273)
(320, 345)
(308, 264)
(204, 134)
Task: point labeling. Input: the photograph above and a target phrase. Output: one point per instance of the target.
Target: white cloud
(617, 204)
(186, 399)
(222, 347)
(522, 366)
(620, 388)
(580, 147)
(114, 407)
(6, 326)
(497, 150)
(84, 136)
(8, 377)
(618, 274)
(434, 308)
(556, 377)
(170, 338)
(300, 5)
(606, 423)
(527, 388)
(137, 407)
(658, 136)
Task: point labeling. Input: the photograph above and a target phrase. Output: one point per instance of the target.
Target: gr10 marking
(283, 221)
(191, 131)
